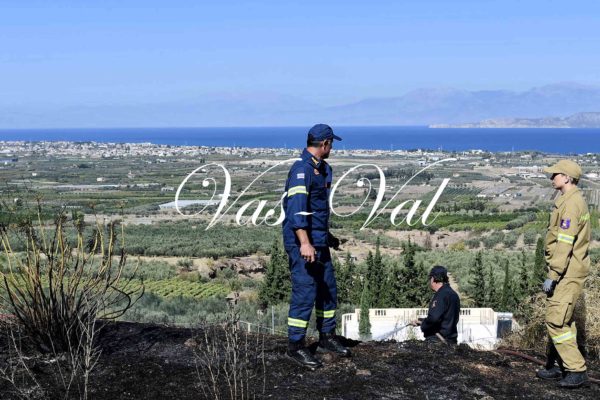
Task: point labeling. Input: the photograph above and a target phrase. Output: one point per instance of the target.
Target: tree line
(378, 283)
(506, 294)
(402, 282)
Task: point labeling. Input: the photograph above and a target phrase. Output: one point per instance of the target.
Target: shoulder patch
(565, 223)
(300, 175)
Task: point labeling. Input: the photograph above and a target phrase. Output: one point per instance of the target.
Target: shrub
(493, 239)
(56, 290)
(529, 237)
(458, 246)
(230, 362)
(521, 220)
(510, 240)
(533, 335)
(473, 243)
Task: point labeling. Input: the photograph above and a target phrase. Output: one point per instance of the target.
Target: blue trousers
(313, 285)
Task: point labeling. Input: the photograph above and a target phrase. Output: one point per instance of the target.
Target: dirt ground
(143, 361)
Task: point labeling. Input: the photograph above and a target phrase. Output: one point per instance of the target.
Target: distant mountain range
(579, 120)
(418, 107)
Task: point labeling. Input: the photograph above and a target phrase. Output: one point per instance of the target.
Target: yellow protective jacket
(568, 237)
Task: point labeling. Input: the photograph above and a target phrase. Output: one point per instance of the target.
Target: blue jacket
(308, 186)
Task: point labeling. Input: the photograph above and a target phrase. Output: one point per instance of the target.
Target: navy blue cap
(439, 273)
(321, 132)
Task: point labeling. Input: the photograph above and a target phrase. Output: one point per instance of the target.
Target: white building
(477, 327)
(186, 203)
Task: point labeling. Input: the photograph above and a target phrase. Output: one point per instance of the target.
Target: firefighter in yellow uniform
(568, 261)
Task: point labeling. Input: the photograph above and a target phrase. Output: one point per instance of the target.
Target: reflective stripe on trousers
(313, 285)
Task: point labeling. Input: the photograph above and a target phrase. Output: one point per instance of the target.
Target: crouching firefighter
(307, 240)
(444, 309)
(567, 257)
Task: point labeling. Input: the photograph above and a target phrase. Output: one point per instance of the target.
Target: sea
(547, 140)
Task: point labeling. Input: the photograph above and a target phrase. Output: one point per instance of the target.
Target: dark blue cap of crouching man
(439, 274)
(321, 132)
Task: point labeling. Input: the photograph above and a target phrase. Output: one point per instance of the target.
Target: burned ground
(144, 361)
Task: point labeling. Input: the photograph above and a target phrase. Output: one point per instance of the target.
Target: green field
(176, 287)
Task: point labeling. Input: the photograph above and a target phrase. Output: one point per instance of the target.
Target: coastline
(381, 138)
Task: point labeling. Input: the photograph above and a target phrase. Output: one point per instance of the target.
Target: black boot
(551, 374)
(574, 380)
(301, 355)
(329, 342)
(554, 369)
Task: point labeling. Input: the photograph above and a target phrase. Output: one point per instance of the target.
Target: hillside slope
(141, 361)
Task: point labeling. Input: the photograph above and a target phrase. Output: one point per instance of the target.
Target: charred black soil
(142, 361)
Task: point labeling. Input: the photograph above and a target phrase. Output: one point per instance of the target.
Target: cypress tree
(276, 285)
(422, 291)
(393, 292)
(492, 300)
(477, 281)
(409, 254)
(340, 279)
(524, 277)
(406, 283)
(355, 284)
(364, 324)
(507, 301)
(369, 263)
(377, 278)
(346, 290)
(414, 280)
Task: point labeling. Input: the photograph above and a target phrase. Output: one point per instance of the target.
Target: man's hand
(549, 286)
(415, 322)
(333, 242)
(307, 251)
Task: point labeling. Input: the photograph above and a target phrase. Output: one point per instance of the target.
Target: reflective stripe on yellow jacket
(568, 237)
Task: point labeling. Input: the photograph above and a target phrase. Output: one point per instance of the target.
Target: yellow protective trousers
(561, 325)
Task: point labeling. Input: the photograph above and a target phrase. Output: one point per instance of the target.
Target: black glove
(549, 286)
(333, 242)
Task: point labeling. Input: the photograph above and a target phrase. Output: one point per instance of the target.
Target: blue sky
(328, 52)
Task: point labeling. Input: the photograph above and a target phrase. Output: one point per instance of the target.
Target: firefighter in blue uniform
(307, 240)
